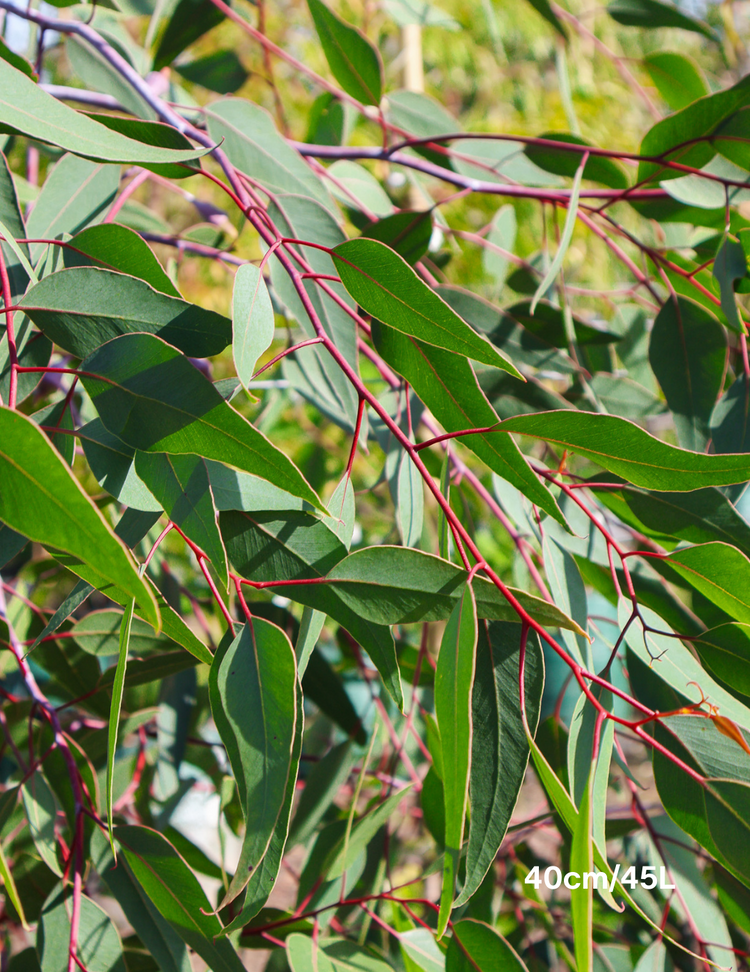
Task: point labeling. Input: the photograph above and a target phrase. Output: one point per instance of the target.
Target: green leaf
(598, 168)
(567, 590)
(581, 758)
(254, 145)
(386, 286)
(565, 237)
(729, 426)
(502, 234)
(6, 877)
(653, 13)
(253, 699)
(478, 947)
(499, 752)
(398, 585)
(189, 20)
(454, 677)
(677, 78)
(75, 194)
(297, 546)
(252, 320)
(155, 134)
(99, 947)
(730, 265)
(174, 890)
(447, 385)
(720, 572)
(734, 897)
(354, 186)
(118, 686)
(410, 503)
(353, 60)
(26, 108)
(116, 247)
(686, 136)
(43, 501)
(83, 308)
(113, 464)
(321, 787)
(581, 898)
(725, 652)
(98, 74)
(343, 511)
(656, 958)
(418, 945)
(548, 323)
(235, 490)
(163, 944)
(152, 398)
(345, 852)
(220, 71)
(627, 450)
(698, 516)
(58, 416)
(98, 633)
(181, 485)
(323, 687)
(408, 233)
(41, 812)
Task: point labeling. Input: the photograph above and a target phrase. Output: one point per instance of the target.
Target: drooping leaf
(116, 247)
(177, 895)
(725, 652)
(152, 398)
(296, 546)
(730, 265)
(582, 898)
(190, 20)
(163, 944)
(654, 13)
(41, 812)
(113, 464)
(729, 425)
(408, 233)
(385, 285)
(345, 851)
(28, 109)
(478, 947)
(181, 486)
(43, 501)
(82, 308)
(500, 752)
(254, 145)
(678, 79)
(252, 320)
(410, 502)
(99, 947)
(321, 786)
(221, 71)
(98, 633)
(565, 237)
(567, 589)
(253, 698)
(502, 234)
(99, 74)
(118, 685)
(454, 677)
(627, 450)
(353, 60)
(688, 354)
(448, 386)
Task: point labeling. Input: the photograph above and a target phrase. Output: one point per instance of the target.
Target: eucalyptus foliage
(373, 530)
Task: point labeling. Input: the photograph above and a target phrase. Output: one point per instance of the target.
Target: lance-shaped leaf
(118, 687)
(499, 751)
(253, 697)
(43, 501)
(566, 162)
(730, 420)
(189, 20)
(384, 284)
(252, 320)
(26, 108)
(345, 852)
(688, 354)
(163, 943)
(264, 876)
(182, 487)
(478, 947)
(397, 585)
(151, 397)
(565, 237)
(41, 812)
(99, 948)
(582, 897)
(627, 450)
(678, 79)
(177, 895)
(82, 308)
(654, 13)
(447, 385)
(719, 571)
(725, 652)
(353, 61)
(297, 546)
(730, 265)
(567, 589)
(581, 760)
(454, 677)
(98, 633)
(113, 464)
